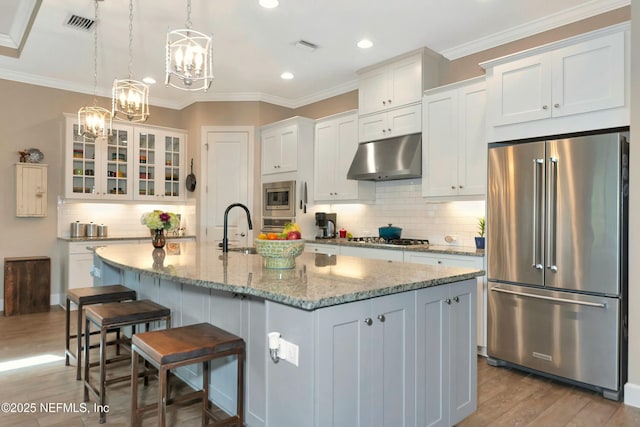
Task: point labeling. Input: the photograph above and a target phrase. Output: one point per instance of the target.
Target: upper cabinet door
(373, 91)
(522, 90)
(280, 149)
(588, 76)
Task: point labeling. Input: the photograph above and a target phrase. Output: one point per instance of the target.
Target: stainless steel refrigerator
(557, 258)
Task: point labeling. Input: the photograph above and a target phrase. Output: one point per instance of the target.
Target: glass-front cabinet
(132, 163)
(98, 168)
(159, 164)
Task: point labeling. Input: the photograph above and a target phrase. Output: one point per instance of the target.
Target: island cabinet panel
(366, 363)
(27, 285)
(446, 369)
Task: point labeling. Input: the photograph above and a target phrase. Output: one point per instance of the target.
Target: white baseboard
(632, 394)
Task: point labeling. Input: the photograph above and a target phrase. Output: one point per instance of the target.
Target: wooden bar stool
(172, 348)
(88, 296)
(109, 316)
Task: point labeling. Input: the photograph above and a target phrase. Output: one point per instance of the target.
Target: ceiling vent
(80, 23)
(306, 46)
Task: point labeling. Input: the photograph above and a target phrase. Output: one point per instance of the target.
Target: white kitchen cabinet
(31, 190)
(321, 248)
(391, 85)
(397, 122)
(446, 361)
(372, 253)
(159, 164)
(335, 144)
(280, 144)
(454, 149)
(572, 85)
(431, 258)
(98, 168)
(366, 352)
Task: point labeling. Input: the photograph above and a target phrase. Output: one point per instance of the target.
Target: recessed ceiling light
(268, 4)
(149, 80)
(286, 75)
(365, 44)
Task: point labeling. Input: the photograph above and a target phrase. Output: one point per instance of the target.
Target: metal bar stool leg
(87, 335)
(163, 374)
(67, 330)
(79, 343)
(134, 387)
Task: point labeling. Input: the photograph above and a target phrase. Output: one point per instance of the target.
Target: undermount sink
(246, 250)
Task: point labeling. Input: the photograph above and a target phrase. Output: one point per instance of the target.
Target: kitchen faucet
(225, 240)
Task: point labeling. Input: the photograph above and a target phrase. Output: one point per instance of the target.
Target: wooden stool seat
(172, 348)
(89, 296)
(110, 316)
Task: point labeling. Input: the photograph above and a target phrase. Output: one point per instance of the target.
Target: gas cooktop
(382, 240)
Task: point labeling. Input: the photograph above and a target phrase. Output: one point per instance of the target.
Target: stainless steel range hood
(388, 159)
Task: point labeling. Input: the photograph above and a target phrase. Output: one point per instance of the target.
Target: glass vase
(158, 240)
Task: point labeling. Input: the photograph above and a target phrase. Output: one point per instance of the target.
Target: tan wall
(467, 67)
(337, 104)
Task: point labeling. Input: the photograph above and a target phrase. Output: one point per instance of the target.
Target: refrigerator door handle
(565, 300)
(536, 210)
(552, 193)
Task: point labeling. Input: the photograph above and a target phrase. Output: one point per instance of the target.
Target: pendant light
(130, 98)
(189, 58)
(94, 121)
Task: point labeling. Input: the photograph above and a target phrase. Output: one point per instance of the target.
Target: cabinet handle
(448, 301)
(556, 105)
(439, 261)
(456, 299)
(368, 321)
(381, 317)
(544, 107)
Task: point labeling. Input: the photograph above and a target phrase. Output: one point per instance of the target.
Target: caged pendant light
(130, 100)
(94, 121)
(189, 58)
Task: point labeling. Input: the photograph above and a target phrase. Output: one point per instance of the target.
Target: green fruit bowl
(279, 254)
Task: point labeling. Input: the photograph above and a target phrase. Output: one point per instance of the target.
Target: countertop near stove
(441, 249)
(307, 286)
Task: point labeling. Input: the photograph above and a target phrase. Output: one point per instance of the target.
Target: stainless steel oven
(278, 202)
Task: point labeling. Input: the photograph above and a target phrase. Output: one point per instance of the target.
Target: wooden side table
(27, 285)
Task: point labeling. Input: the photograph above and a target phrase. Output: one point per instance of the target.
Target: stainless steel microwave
(278, 199)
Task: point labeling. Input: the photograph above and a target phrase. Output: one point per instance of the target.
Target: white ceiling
(253, 46)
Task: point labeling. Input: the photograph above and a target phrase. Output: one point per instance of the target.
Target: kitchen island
(373, 342)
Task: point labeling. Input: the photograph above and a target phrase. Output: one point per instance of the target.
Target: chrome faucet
(225, 240)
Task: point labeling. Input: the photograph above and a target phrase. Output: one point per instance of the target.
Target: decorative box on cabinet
(98, 168)
(454, 148)
(335, 143)
(159, 164)
(573, 85)
(31, 190)
(280, 144)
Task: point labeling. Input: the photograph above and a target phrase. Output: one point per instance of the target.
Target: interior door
(227, 182)
(515, 222)
(583, 186)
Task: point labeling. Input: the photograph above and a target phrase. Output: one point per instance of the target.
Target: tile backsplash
(401, 204)
(122, 219)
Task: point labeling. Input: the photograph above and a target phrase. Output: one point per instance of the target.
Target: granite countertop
(317, 280)
(106, 239)
(440, 249)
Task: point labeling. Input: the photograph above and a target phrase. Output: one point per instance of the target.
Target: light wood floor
(505, 397)
(54, 383)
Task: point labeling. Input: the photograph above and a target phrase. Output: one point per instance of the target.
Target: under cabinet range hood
(388, 159)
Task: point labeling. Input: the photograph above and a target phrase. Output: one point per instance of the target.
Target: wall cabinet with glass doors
(132, 163)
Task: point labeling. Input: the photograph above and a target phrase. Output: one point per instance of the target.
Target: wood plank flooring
(506, 397)
(44, 389)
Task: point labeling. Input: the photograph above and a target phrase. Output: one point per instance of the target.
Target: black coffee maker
(325, 225)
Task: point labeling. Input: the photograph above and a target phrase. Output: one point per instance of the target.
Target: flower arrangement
(158, 220)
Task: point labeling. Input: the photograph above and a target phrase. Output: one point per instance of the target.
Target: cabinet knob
(368, 321)
(389, 130)
(384, 102)
(453, 187)
(384, 131)
(544, 107)
(448, 301)
(461, 186)
(381, 317)
(456, 299)
(556, 105)
(389, 101)
(439, 261)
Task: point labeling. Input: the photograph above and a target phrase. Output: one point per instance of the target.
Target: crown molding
(568, 16)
